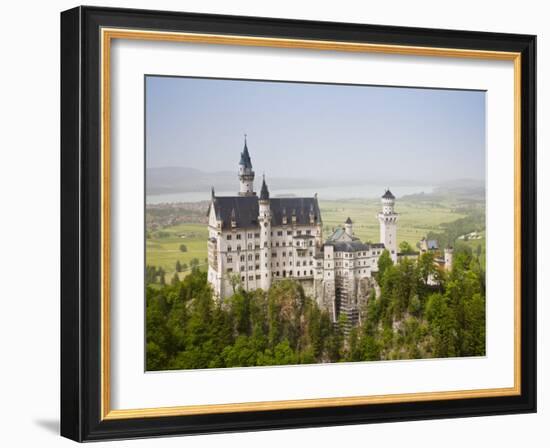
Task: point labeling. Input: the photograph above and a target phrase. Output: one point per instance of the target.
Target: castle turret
(246, 175)
(264, 221)
(448, 252)
(388, 224)
(348, 226)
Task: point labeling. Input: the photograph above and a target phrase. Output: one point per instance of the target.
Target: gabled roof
(246, 209)
(348, 221)
(299, 207)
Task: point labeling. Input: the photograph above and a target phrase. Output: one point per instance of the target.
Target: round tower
(348, 227)
(264, 221)
(448, 252)
(388, 224)
(246, 175)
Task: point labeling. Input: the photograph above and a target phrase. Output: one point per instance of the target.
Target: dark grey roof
(299, 207)
(246, 210)
(377, 246)
(388, 195)
(264, 193)
(348, 221)
(348, 246)
(245, 157)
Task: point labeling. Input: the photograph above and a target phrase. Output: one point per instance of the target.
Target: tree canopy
(411, 317)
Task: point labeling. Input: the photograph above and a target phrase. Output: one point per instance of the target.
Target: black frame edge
(80, 229)
(71, 384)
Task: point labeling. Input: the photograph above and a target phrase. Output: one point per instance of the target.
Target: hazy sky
(316, 130)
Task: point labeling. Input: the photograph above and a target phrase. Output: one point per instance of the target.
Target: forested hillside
(186, 328)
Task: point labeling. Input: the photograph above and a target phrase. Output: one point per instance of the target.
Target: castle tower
(448, 252)
(246, 175)
(264, 220)
(348, 227)
(388, 224)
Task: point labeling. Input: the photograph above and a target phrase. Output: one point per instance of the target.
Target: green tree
(384, 262)
(405, 248)
(183, 248)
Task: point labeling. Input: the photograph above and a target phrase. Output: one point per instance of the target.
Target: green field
(415, 220)
(164, 251)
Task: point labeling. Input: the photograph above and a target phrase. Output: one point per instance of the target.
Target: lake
(324, 193)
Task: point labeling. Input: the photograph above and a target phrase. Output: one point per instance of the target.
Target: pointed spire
(388, 194)
(245, 156)
(213, 193)
(264, 192)
(348, 221)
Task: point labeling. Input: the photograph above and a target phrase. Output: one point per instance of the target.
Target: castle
(256, 240)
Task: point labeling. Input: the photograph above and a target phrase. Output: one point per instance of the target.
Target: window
(242, 278)
(242, 269)
(228, 248)
(249, 257)
(310, 242)
(305, 272)
(297, 263)
(257, 266)
(238, 247)
(230, 259)
(256, 235)
(238, 236)
(258, 277)
(229, 237)
(298, 232)
(311, 272)
(289, 232)
(308, 232)
(250, 235)
(257, 257)
(250, 277)
(280, 233)
(249, 246)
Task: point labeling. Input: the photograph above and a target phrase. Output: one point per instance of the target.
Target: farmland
(416, 219)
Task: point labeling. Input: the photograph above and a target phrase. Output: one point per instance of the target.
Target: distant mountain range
(188, 180)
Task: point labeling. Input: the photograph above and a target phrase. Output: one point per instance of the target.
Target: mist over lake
(366, 191)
